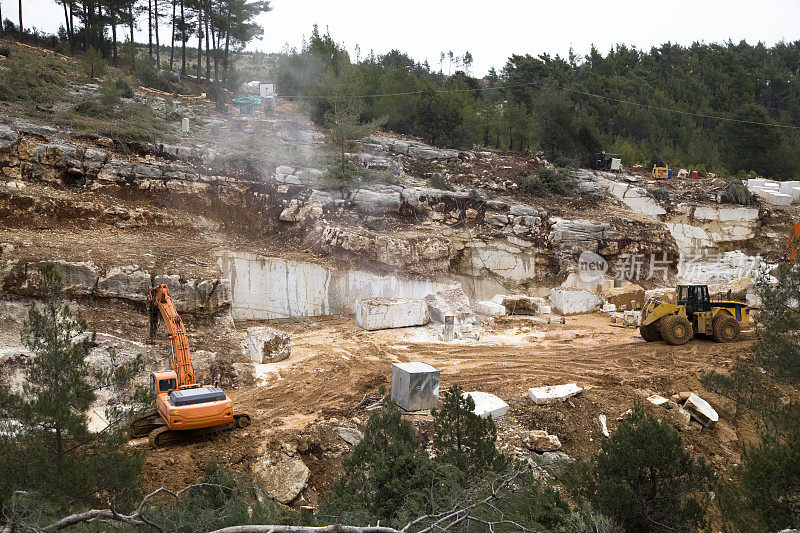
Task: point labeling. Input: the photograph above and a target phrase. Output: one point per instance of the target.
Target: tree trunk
(158, 43)
(66, 22)
(172, 48)
(199, 38)
(85, 25)
(133, 48)
(214, 40)
(225, 59)
(112, 6)
(21, 29)
(208, 59)
(71, 29)
(150, 28)
(183, 42)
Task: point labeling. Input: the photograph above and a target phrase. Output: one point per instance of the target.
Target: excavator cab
(163, 382)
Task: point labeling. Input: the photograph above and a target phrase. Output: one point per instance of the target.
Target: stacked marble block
(775, 192)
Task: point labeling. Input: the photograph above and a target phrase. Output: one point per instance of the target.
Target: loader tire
(676, 330)
(726, 329)
(650, 332)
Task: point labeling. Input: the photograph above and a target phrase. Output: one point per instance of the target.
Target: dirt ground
(334, 365)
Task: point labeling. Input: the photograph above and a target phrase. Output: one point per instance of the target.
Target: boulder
(625, 298)
(451, 302)
(487, 404)
(415, 386)
(387, 313)
(489, 308)
(127, 282)
(8, 137)
(701, 410)
(373, 202)
(553, 393)
(519, 304)
(540, 441)
(285, 476)
(522, 210)
(349, 435)
(267, 345)
(571, 301)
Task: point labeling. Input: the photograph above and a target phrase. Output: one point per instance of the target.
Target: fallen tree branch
(442, 521)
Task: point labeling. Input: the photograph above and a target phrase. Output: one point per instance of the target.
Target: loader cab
(163, 382)
(695, 298)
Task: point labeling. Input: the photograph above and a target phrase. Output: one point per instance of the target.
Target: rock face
(283, 475)
(487, 404)
(127, 282)
(451, 302)
(206, 296)
(373, 202)
(265, 288)
(387, 313)
(79, 279)
(267, 345)
(570, 301)
(553, 393)
(701, 410)
(415, 386)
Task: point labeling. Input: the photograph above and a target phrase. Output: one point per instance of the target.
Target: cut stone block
(387, 313)
(777, 198)
(540, 441)
(608, 308)
(415, 386)
(268, 345)
(452, 302)
(785, 187)
(570, 302)
(487, 404)
(489, 308)
(655, 399)
(625, 298)
(795, 192)
(701, 410)
(553, 393)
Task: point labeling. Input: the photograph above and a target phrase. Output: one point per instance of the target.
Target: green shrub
(544, 181)
(475, 196)
(737, 193)
(148, 76)
(643, 478)
(91, 108)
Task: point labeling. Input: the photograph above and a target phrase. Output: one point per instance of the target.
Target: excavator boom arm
(181, 358)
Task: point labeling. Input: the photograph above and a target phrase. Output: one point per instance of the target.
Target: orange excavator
(793, 246)
(182, 404)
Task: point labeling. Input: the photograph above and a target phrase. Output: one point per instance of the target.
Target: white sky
(494, 29)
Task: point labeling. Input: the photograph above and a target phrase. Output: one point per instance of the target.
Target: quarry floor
(336, 368)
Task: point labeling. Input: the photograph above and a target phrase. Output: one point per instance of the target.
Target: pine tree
(463, 439)
(45, 443)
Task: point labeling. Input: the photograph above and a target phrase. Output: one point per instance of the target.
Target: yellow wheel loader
(694, 313)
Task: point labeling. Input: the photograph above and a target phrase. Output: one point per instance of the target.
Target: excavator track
(163, 436)
(145, 424)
